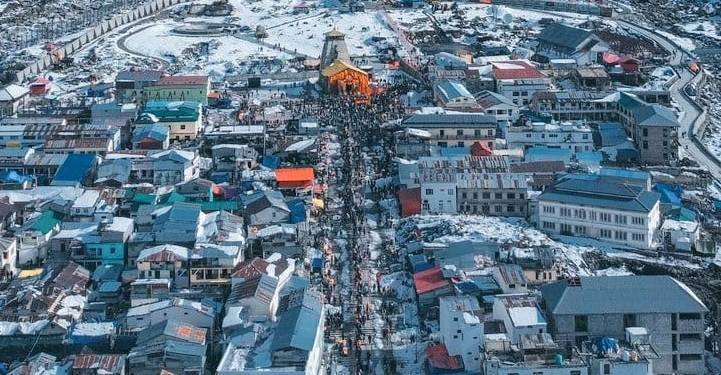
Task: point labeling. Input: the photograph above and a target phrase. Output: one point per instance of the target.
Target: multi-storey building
(601, 208)
(455, 129)
(652, 126)
(461, 328)
(588, 307)
(576, 137)
(439, 176)
(496, 194)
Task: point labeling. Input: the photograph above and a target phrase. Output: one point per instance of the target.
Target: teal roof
(219, 206)
(45, 222)
(169, 112)
(144, 198)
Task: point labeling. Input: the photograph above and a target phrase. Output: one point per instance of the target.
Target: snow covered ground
(706, 28)
(306, 36)
(685, 43)
(518, 233)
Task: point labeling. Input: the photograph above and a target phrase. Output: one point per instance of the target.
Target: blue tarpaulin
(670, 194)
(270, 161)
(317, 264)
(297, 211)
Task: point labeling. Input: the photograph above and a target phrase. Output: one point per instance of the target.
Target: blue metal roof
(75, 168)
(612, 134)
(452, 90)
(297, 329)
(153, 131)
(620, 295)
(601, 192)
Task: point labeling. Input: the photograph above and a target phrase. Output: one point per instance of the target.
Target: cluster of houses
(116, 238)
(559, 138)
(508, 311)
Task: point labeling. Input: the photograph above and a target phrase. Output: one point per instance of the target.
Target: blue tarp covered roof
(13, 177)
(669, 193)
(297, 211)
(75, 168)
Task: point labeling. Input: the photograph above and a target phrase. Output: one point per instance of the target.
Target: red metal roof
(429, 280)
(294, 174)
(516, 69)
(111, 363)
(439, 358)
(182, 80)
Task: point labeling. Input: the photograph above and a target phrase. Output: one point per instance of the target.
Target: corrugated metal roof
(621, 295)
(74, 169)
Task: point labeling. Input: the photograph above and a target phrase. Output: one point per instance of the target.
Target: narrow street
(358, 238)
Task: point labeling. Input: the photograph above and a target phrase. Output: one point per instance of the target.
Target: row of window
(595, 216)
(484, 195)
(476, 132)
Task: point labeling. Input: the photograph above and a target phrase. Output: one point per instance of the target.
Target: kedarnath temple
(337, 72)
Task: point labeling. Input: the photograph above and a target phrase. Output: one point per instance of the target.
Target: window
(486, 195)
(464, 195)
(490, 133)
(645, 132)
(459, 132)
(451, 191)
(592, 215)
(429, 191)
(606, 368)
(621, 235)
(499, 195)
(638, 220)
(580, 323)
(498, 208)
(603, 216)
(690, 357)
(477, 133)
(511, 195)
(579, 229)
(565, 228)
(638, 237)
(689, 316)
(620, 219)
(510, 208)
(182, 127)
(455, 318)
(580, 214)
(475, 195)
(690, 337)
(605, 233)
(645, 145)
(549, 225)
(575, 372)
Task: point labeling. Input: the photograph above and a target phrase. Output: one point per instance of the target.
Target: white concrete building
(596, 207)
(576, 137)
(497, 105)
(461, 328)
(520, 314)
(438, 177)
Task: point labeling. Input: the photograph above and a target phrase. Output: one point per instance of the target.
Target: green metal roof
(45, 222)
(219, 205)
